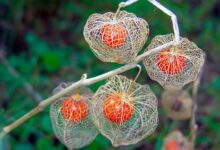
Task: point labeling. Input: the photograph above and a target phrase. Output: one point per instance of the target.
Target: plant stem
(82, 82)
(163, 9)
(173, 18)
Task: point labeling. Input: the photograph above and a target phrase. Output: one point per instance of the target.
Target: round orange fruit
(172, 145)
(171, 61)
(116, 110)
(113, 35)
(74, 108)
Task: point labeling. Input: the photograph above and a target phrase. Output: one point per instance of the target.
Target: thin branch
(165, 10)
(86, 82)
(173, 18)
(82, 82)
(193, 125)
(127, 3)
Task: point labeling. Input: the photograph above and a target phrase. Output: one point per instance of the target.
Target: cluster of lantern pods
(122, 110)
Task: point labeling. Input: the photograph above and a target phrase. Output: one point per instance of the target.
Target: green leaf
(37, 46)
(159, 143)
(3, 143)
(54, 61)
(99, 143)
(46, 124)
(216, 82)
(45, 144)
(24, 147)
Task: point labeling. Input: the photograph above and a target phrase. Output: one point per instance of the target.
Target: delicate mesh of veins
(71, 118)
(125, 111)
(175, 141)
(176, 65)
(116, 38)
(177, 104)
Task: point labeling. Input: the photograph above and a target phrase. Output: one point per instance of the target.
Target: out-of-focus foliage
(43, 41)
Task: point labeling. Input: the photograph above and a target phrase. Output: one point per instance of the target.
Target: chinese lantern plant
(113, 35)
(171, 61)
(176, 141)
(177, 104)
(176, 65)
(116, 37)
(125, 111)
(71, 118)
(117, 108)
(74, 108)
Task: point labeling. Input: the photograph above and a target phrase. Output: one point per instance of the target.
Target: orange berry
(113, 35)
(171, 61)
(74, 108)
(116, 110)
(172, 145)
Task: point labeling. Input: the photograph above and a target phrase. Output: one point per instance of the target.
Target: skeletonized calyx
(175, 66)
(176, 141)
(177, 104)
(116, 38)
(71, 118)
(125, 111)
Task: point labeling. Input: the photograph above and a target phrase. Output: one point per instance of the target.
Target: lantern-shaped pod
(116, 37)
(174, 66)
(177, 104)
(176, 141)
(71, 118)
(124, 111)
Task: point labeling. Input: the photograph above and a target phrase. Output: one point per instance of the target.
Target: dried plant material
(177, 104)
(175, 66)
(175, 141)
(116, 38)
(71, 118)
(125, 111)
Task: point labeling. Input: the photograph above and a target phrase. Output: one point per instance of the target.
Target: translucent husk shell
(143, 110)
(175, 66)
(116, 38)
(73, 131)
(177, 104)
(176, 141)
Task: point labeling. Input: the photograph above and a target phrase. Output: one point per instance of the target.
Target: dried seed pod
(175, 66)
(125, 111)
(176, 141)
(116, 38)
(71, 118)
(177, 104)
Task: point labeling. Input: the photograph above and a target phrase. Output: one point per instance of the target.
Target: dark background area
(41, 44)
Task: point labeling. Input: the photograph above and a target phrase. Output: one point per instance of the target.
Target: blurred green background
(41, 45)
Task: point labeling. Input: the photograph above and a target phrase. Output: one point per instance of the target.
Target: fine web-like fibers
(76, 134)
(144, 118)
(175, 66)
(116, 38)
